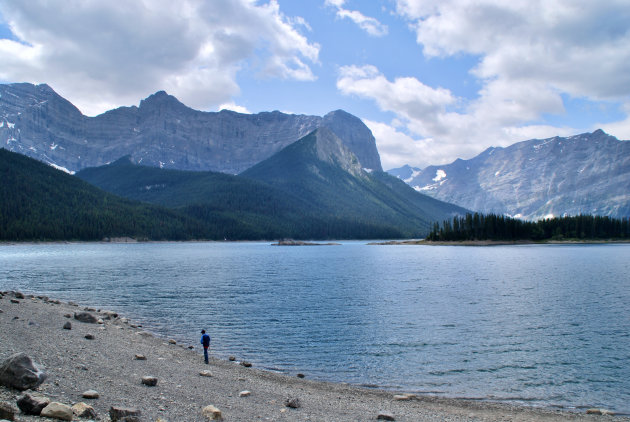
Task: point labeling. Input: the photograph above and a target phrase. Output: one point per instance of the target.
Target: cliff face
(582, 174)
(161, 132)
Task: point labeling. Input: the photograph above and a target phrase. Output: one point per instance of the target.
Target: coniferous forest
(498, 227)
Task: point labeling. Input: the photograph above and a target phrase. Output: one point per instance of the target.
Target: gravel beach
(108, 364)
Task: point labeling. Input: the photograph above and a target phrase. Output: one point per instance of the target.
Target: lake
(541, 325)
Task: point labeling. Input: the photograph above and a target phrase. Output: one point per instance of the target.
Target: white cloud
(234, 107)
(530, 55)
(370, 25)
(429, 119)
(103, 54)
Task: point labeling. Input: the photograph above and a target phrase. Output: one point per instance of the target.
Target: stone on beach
(89, 336)
(20, 372)
(85, 317)
(292, 402)
(205, 373)
(32, 404)
(245, 393)
(57, 410)
(140, 357)
(385, 416)
(83, 410)
(7, 411)
(596, 411)
(124, 414)
(404, 397)
(150, 381)
(212, 413)
(90, 394)
(246, 364)
(67, 326)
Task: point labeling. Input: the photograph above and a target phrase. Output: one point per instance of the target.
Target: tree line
(499, 227)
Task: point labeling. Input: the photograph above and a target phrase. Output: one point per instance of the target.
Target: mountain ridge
(160, 132)
(587, 173)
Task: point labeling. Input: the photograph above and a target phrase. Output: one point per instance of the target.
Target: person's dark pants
(205, 354)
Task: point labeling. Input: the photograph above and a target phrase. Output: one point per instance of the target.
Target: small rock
(85, 317)
(7, 411)
(246, 364)
(191, 347)
(211, 413)
(300, 375)
(245, 393)
(292, 402)
(140, 357)
(205, 373)
(83, 410)
(150, 381)
(67, 326)
(110, 314)
(596, 411)
(124, 414)
(385, 416)
(404, 397)
(90, 394)
(19, 295)
(68, 315)
(73, 304)
(20, 372)
(171, 341)
(232, 358)
(100, 321)
(57, 410)
(89, 336)
(15, 301)
(32, 404)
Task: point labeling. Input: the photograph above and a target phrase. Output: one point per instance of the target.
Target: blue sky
(435, 80)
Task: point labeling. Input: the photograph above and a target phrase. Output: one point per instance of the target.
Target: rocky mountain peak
(161, 132)
(329, 148)
(587, 173)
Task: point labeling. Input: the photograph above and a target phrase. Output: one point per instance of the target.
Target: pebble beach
(162, 380)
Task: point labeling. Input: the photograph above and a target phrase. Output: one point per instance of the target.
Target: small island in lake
(291, 242)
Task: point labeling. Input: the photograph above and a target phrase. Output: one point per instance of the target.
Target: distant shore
(496, 242)
(107, 362)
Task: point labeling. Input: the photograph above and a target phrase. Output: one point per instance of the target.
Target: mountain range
(582, 174)
(161, 132)
(314, 188)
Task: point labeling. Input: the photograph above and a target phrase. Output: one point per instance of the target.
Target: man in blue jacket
(205, 341)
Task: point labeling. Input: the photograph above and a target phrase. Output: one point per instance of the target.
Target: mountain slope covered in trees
(41, 203)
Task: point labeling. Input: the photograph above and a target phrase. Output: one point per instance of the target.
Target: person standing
(205, 341)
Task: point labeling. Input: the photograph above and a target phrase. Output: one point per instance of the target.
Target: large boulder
(85, 317)
(56, 410)
(20, 372)
(32, 404)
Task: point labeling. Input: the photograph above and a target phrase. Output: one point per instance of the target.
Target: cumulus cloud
(441, 126)
(530, 55)
(104, 54)
(234, 107)
(370, 25)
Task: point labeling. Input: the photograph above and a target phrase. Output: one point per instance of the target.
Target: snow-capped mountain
(582, 174)
(405, 173)
(160, 132)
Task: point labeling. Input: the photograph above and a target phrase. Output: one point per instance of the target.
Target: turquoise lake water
(541, 325)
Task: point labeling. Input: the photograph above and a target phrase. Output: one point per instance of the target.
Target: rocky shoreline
(120, 372)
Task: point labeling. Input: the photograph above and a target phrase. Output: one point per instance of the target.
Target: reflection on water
(545, 325)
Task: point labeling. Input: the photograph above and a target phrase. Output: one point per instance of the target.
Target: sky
(435, 80)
